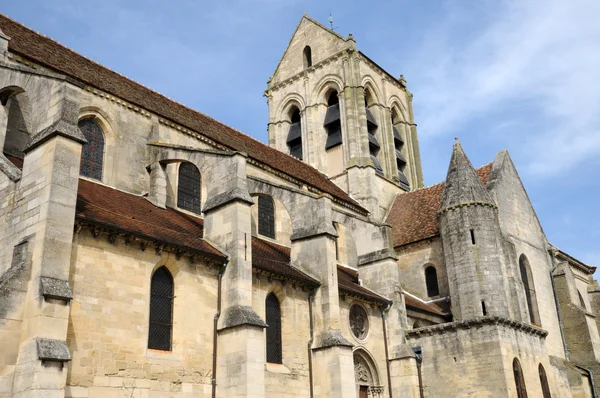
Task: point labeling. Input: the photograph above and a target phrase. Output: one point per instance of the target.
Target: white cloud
(534, 53)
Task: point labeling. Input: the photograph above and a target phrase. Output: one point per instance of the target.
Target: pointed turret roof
(463, 186)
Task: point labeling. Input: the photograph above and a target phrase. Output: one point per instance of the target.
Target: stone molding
(476, 322)
(52, 288)
(61, 128)
(8, 168)
(234, 195)
(331, 338)
(240, 315)
(314, 231)
(52, 350)
(378, 255)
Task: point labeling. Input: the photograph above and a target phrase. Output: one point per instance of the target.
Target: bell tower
(335, 109)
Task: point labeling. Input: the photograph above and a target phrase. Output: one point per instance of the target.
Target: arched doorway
(366, 376)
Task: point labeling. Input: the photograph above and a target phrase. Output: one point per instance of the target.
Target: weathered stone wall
(413, 259)
(108, 326)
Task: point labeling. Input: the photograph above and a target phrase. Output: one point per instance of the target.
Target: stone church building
(148, 250)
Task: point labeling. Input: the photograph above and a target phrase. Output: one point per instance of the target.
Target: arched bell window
(92, 152)
(294, 139)
(527, 279)
(374, 146)
(544, 382)
(332, 123)
(161, 310)
(266, 216)
(189, 188)
(273, 318)
(307, 57)
(431, 281)
(519, 380)
(398, 145)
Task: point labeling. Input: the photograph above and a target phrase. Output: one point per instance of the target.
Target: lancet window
(92, 152)
(161, 310)
(189, 188)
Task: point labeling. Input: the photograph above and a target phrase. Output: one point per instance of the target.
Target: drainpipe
(419, 358)
(215, 322)
(310, 341)
(385, 344)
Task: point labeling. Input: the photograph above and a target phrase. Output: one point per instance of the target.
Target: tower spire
(463, 185)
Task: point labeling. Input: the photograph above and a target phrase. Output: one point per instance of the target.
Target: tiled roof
(348, 283)
(17, 161)
(413, 216)
(111, 208)
(272, 258)
(55, 56)
(440, 308)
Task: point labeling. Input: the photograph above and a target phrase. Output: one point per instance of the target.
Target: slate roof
(272, 258)
(348, 283)
(440, 308)
(413, 216)
(52, 55)
(111, 208)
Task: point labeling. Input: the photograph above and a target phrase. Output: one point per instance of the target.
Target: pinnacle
(463, 185)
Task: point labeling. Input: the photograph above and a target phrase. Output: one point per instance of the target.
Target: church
(148, 250)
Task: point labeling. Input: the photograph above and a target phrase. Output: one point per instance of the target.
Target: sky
(520, 75)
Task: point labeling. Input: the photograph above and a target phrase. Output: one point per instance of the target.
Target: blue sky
(520, 75)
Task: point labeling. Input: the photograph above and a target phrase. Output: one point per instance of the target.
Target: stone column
(313, 250)
(227, 223)
(46, 211)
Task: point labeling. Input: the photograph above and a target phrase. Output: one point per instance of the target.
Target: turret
(469, 229)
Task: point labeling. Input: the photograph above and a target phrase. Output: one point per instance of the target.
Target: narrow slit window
(530, 296)
(307, 57)
(431, 281)
(544, 382)
(273, 318)
(483, 310)
(92, 152)
(472, 236)
(161, 310)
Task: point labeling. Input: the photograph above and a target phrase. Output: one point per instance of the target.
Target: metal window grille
(161, 310)
(359, 322)
(544, 382)
(273, 315)
(519, 380)
(188, 188)
(431, 281)
(266, 216)
(92, 152)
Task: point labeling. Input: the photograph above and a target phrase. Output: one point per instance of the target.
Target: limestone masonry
(148, 250)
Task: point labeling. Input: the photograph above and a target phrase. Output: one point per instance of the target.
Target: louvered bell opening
(400, 157)
(332, 115)
(295, 132)
(403, 178)
(334, 135)
(397, 136)
(373, 143)
(296, 148)
(370, 118)
(378, 168)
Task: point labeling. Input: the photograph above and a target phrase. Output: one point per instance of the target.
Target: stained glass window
(359, 322)
(161, 310)
(188, 188)
(273, 317)
(266, 216)
(92, 152)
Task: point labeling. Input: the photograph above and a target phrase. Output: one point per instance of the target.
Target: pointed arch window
(92, 152)
(544, 382)
(294, 139)
(527, 279)
(189, 188)
(332, 123)
(398, 145)
(519, 380)
(266, 216)
(307, 57)
(431, 280)
(161, 310)
(273, 318)
(374, 146)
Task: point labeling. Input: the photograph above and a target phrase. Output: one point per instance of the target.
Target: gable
(323, 43)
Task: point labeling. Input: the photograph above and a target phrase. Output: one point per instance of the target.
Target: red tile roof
(17, 161)
(270, 257)
(111, 208)
(413, 216)
(348, 283)
(440, 308)
(55, 56)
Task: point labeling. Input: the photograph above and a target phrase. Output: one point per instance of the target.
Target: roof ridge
(443, 182)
